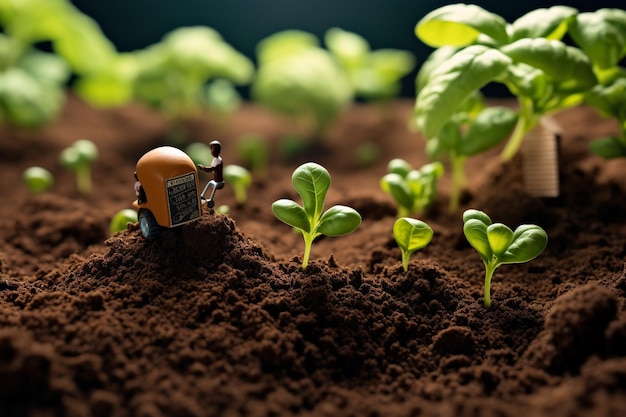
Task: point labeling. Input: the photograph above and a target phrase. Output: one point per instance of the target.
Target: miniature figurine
(216, 168)
(167, 187)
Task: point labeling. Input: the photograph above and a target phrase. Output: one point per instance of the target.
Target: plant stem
(83, 180)
(405, 260)
(308, 243)
(489, 270)
(458, 181)
(526, 121)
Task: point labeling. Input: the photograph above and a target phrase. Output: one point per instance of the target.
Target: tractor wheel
(150, 229)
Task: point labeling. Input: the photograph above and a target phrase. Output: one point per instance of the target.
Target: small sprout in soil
(37, 179)
(240, 179)
(497, 244)
(121, 219)
(254, 151)
(411, 235)
(223, 209)
(413, 190)
(79, 157)
(312, 181)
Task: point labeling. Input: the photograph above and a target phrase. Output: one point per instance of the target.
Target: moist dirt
(217, 318)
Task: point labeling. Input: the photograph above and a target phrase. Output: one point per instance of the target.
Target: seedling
(312, 181)
(527, 56)
(37, 179)
(411, 235)
(121, 219)
(413, 190)
(298, 78)
(240, 179)
(222, 99)
(199, 152)
(497, 244)
(79, 157)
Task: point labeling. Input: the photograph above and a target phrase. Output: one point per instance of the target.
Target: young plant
(473, 129)
(411, 235)
(497, 244)
(79, 157)
(121, 219)
(413, 190)
(527, 56)
(298, 78)
(240, 179)
(222, 99)
(602, 36)
(33, 82)
(199, 152)
(37, 179)
(375, 75)
(312, 181)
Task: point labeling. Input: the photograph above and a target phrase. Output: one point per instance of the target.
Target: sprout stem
(526, 121)
(83, 179)
(489, 270)
(308, 243)
(458, 181)
(405, 260)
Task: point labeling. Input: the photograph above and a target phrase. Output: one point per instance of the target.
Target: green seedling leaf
(338, 221)
(120, 220)
(312, 181)
(411, 235)
(608, 148)
(37, 179)
(497, 244)
(413, 190)
(490, 128)
(460, 25)
(240, 179)
(254, 150)
(199, 153)
(79, 157)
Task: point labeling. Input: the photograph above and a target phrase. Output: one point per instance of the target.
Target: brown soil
(218, 318)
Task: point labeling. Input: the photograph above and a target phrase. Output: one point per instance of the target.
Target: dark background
(135, 24)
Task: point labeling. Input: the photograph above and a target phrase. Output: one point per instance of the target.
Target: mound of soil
(218, 318)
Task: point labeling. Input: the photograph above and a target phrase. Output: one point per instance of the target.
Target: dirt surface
(218, 318)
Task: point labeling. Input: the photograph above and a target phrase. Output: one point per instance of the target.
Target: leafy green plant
(298, 78)
(411, 235)
(79, 157)
(473, 129)
(222, 99)
(602, 36)
(413, 190)
(199, 152)
(172, 75)
(375, 75)
(527, 56)
(37, 179)
(120, 220)
(497, 244)
(240, 179)
(312, 182)
(33, 82)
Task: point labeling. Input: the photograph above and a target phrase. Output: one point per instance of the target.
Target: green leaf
(455, 80)
(550, 23)
(528, 242)
(608, 148)
(350, 49)
(411, 234)
(499, 237)
(460, 25)
(284, 44)
(339, 220)
(399, 166)
(601, 36)
(311, 181)
(476, 234)
(290, 212)
(395, 185)
(560, 62)
(490, 128)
